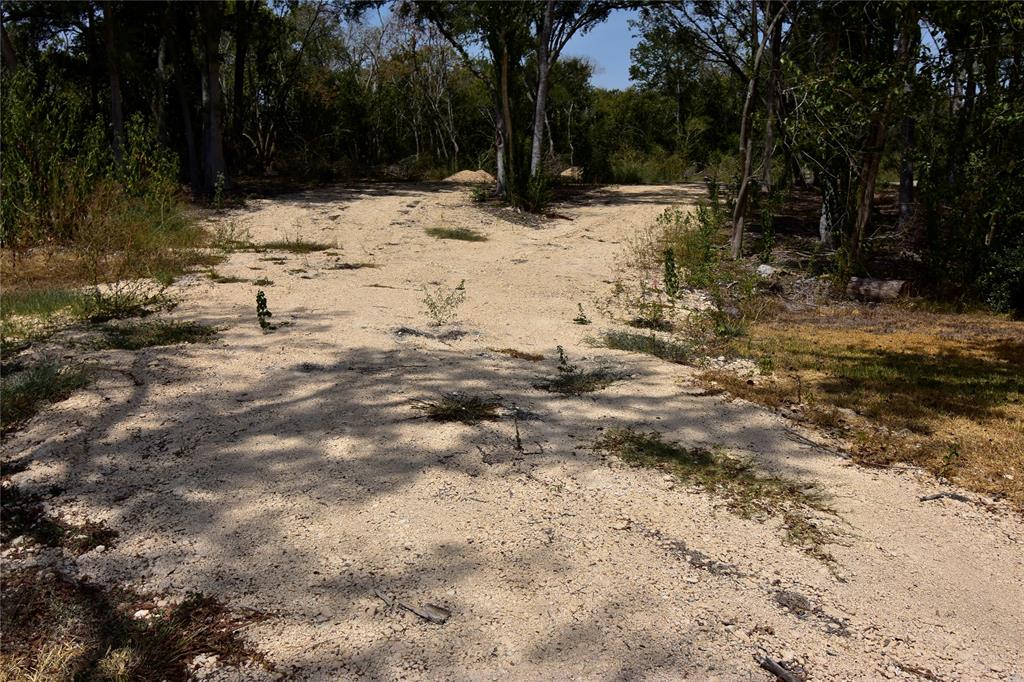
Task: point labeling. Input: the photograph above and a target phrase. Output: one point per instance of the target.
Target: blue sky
(607, 46)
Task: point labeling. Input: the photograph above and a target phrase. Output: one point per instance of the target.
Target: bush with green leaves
(442, 303)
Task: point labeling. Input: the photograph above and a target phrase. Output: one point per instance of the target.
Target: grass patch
(458, 407)
(518, 354)
(295, 246)
(25, 392)
(460, 233)
(943, 392)
(218, 278)
(263, 282)
(734, 480)
(161, 333)
(572, 380)
(648, 344)
(43, 302)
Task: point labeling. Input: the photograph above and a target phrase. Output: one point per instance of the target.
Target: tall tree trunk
(772, 98)
(214, 168)
(866, 188)
(540, 101)
(10, 57)
(499, 152)
(506, 123)
(242, 14)
(113, 73)
(183, 69)
(746, 151)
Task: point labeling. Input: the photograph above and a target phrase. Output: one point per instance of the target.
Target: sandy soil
(288, 472)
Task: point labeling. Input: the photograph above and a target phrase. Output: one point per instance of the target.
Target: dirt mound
(471, 176)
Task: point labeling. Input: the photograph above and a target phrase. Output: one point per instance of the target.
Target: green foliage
(648, 344)
(301, 246)
(536, 196)
(572, 380)
(442, 303)
(1003, 281)
(263, 313)
(671, 277)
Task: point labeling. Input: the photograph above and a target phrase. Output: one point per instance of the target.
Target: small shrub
(263, 282)
(442, 304)
(458, 407)
(459, 233)
(572, 380)
(536, 197)
(480, 194)
(263, 313)
(671, 278)
(581, 318)
(24, 393)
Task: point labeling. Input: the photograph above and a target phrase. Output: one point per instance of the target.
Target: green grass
(25, 392)
(44, 302)
(648, 344)
(458, 407)
(162, 333)
(460, 233)
(571, 380)
(263, 282)
(295, 246)
(733, 479)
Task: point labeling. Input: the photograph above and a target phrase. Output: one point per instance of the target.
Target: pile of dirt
(468, 176)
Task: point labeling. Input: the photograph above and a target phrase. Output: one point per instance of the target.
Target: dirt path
(287, 472)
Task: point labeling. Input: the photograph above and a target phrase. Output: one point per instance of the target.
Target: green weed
(24, 393)
(442, 304)
(459, 407)
(162, 333)
(460, 233)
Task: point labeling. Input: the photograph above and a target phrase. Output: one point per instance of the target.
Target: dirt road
(289, 472)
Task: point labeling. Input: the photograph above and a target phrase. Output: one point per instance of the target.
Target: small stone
(787, 655)
(19, 541)
(99, 549)
(140, 614)
(620, 524)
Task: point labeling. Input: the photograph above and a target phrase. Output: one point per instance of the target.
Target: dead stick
(777, 670)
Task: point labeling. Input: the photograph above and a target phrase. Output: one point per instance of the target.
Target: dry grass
(942, 391)
(458, 233)
(458, 407)
(745, 491)
(518, 354)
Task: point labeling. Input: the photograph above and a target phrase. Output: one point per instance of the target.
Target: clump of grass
(518, 354)
(24, 393)
(649, 344)
(295, 246)
(163, 333)
(263, 282)
(733, 479)
(460, 233)
(572, 380)
(218, 278)
(459, 407)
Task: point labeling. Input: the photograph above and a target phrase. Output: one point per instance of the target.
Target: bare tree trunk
(10, 57)
(242, 12)
(866, 189)
(769, 121)
(746, 151)
(506, 124)
(214, 168)
(540, 101)
(116, 110)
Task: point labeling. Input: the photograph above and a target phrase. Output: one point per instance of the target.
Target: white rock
(19, 541)
(140, 614)
(99, 549)
(766, 271)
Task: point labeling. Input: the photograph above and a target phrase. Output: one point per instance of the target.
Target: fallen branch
(777, 670)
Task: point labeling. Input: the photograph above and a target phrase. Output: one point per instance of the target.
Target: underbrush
(25, 391)
(140, 335)
(948, 397)
(733, 479)
(300, 246)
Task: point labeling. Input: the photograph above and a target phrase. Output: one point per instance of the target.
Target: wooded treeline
(759, 96)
